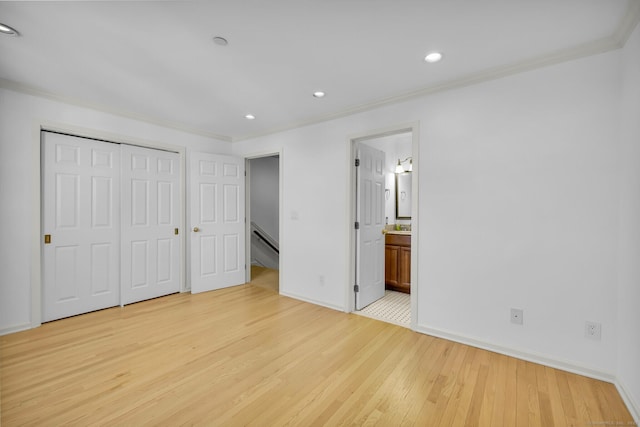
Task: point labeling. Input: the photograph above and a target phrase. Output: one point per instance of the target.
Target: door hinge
(357, 225)
(175, 231)
(357, 162)
(47, 239)
(356, 288)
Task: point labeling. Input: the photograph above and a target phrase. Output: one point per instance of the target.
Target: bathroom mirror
(403, 195)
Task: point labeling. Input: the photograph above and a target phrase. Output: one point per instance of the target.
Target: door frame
(352, 140)
(36, 213)
(247, 208)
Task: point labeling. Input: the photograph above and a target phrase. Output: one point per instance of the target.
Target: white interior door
(217, 215)
(81, 212)
(370, 216)
(150, 221)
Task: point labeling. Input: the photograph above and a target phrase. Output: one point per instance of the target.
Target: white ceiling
(156, 61)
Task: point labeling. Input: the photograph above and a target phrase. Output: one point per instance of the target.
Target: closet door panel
(150, 216)
(80, 212)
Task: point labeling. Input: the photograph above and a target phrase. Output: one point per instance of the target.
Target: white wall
(518, 207)
(314, 173)
(20, 118)
(265, 202)
(629, 240)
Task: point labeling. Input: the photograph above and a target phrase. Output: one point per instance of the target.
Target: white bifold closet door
(112, 213)
(81, 213)
(150, 220)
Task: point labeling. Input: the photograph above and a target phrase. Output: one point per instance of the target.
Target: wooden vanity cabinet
(397, 260)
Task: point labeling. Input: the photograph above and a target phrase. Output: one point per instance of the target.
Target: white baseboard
(312, 301)
(633, 405)
(520, 354)
(16, 328)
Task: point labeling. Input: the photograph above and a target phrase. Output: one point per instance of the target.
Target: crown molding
(35, 91)
(581, 51)
(629, 22)
(615, 41)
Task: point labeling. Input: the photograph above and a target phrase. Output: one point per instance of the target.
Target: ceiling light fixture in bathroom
(5, 29)
(249, 117)
(318, 94)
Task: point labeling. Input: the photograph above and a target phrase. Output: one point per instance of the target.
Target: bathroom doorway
(263, 221)
(397, 302)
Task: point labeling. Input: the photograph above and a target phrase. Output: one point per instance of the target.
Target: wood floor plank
(581, 399)
(489, 395)
(248, 356)
(463, 383)
(547, 375)
(499, 376)
(403, 397)
(544, 398)
(609, 402)
(427, 385)
(444, 385)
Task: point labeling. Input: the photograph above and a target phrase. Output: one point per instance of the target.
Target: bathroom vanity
(397, 258)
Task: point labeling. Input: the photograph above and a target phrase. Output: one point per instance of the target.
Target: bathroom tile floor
(394, 307)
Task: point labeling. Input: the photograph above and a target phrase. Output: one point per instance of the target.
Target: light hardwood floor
(248, 356)
(266, 278)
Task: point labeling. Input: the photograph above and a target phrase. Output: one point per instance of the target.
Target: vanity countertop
(401, 232)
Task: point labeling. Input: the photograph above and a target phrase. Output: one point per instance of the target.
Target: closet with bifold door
(110, 219)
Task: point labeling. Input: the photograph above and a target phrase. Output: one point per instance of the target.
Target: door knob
(196, 229)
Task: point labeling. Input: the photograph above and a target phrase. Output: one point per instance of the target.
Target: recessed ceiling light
(433, 57)
(220, 41)
(5, 29)
(318, 94)
(249, 117)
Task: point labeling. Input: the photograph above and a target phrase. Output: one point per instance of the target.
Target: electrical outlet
(593, 330)
(517, 316)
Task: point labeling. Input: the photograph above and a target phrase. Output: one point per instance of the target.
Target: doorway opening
(263, 221)
(384, 240)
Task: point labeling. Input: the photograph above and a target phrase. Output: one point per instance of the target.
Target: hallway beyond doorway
(266, 278)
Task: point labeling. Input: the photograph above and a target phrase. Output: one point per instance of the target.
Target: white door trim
(350, 155)
(36, 212)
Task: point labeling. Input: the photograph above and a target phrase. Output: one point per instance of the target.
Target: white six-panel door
(110, 215)
(81, 211)
(112, 212)
(150, 221)
(217, 247)
(370, 216)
